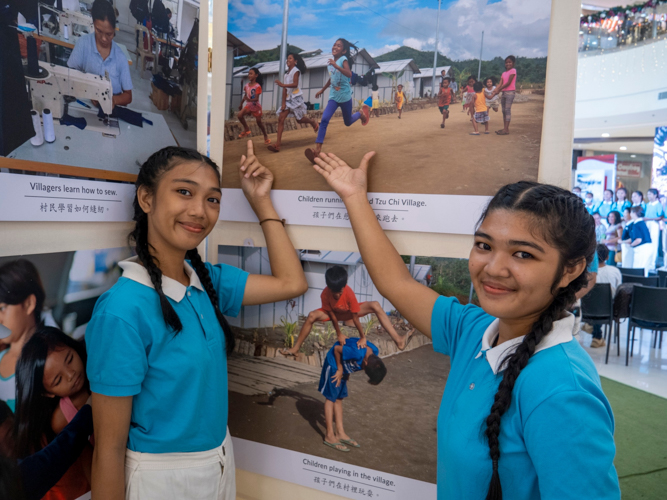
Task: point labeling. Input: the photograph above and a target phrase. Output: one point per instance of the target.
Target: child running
(251, 93)
(481, 112)
(340, 73)
(293, 102)
(468, 94)
(52, 387)
(445, 97)
(508, 88)
(399, 100)
(340, 304)
(346, 357)
(492, 101)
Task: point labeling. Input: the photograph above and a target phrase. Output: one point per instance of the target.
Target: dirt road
(395, 422)
(414, 155)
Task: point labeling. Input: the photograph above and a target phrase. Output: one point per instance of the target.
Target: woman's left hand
(256, 179)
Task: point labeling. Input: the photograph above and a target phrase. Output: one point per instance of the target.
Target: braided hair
(565, 224)
(149, 177)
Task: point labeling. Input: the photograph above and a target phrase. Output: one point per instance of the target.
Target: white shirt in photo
(289, 80)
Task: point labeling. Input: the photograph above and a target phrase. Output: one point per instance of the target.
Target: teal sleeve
(594, 265)
(570, 440)
(229, 282)
(117, 360)
(449, 321)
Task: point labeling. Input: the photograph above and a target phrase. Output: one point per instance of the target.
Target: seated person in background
(606, 274)
(346, 358)
(98, 54)
(340, 304)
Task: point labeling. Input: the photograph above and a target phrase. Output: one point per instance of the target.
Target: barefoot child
(251, 93)
(346, 358)
(52, 387)
(445, 97)
(399, 100)
(340, 304)
(340, 73)
(481, 112)
(292, 98)
(508, 88)
(492, 101)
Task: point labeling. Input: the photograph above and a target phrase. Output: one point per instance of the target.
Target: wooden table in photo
(85, 153)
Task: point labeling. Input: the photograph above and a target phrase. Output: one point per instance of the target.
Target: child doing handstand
(251, 93)
(292, 98)
(340, 304)
(343, 359)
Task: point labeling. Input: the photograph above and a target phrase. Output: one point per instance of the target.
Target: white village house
(423, 80)
(402, 72)
(315, 263)
(313, 79)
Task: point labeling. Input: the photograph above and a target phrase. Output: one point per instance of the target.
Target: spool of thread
(38, 140)
(33, 61)
(66, 32)
(49, 132)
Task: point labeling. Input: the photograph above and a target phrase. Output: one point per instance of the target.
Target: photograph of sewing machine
(67, 23)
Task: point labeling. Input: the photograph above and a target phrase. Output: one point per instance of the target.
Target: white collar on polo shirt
(171, 288)
(561, 333)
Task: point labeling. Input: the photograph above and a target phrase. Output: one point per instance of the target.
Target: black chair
(632, 271)
(662, 277)
(647, 311)
(597, 308)
(640, 280)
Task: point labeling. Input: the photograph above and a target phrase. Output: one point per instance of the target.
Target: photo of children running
(479, 110)
(292, 99)
(399, 99)
(251, 93)
(508, 88)
(343, 359)
(339, 303)
(445, 97)
(340, 96)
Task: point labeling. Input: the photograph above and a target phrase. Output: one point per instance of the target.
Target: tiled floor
(647, 369)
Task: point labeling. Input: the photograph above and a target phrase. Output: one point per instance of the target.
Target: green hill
(529, 69)
(264, 56)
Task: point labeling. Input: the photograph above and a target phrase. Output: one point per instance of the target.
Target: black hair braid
(566, 225)
(205, 278)
(140, 236)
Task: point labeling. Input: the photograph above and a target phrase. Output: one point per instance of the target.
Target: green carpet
(641, 441)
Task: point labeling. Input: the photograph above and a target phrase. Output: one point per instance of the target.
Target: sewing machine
(64, 86)
(75, 23)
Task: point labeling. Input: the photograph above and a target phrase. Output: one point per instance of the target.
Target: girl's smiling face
(184, 208)
(291, 62)
(509, 64)
(636, 198)
(489, 84)
(64, 373)
(620, 195)
(513, 267)
(651, 196)
(338, 48)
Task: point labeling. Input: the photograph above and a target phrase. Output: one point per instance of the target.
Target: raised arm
(385, 266)
(111, 418)
(287, 279)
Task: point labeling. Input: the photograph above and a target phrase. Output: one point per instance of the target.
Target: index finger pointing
(251, 150)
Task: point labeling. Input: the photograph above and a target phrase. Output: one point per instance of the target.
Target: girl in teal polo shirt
(523, 415)
(158, 340)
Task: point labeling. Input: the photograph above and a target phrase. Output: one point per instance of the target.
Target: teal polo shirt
(654, 210)
(604, 208)
(620, 207)
(178, 383)
(556, 439)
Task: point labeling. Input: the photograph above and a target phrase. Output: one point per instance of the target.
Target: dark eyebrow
(188, 181)
(530, 244)
(483, 235)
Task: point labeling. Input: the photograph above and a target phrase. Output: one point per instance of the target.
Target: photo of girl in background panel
(158, 340)
(518, 373)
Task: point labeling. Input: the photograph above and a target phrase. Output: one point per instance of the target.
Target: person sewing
(97, 53)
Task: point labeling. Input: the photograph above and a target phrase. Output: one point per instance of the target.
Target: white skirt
(204, 475)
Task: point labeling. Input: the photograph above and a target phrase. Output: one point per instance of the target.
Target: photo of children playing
(331, 80)
(304, 372)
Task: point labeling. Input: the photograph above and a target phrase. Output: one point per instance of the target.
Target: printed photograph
(449, 95)
(337, 372)
(92, 89)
